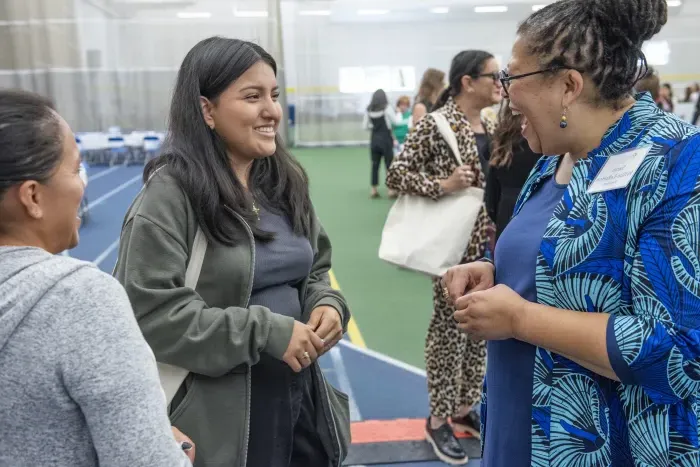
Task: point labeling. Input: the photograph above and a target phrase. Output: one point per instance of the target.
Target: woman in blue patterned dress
(592, 305)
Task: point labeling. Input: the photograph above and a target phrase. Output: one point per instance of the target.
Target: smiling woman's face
(247, 114)
(539, 99)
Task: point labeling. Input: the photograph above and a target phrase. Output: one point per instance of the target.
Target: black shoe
(470, 423)
(445, 444)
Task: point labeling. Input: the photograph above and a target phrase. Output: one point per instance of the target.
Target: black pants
(380, 150)
(283, 418)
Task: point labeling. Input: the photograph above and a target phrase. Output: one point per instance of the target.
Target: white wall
(320, 45)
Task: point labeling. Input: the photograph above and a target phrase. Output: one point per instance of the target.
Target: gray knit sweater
(78, 383)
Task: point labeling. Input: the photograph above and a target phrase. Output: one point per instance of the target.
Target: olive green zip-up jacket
(212, 331)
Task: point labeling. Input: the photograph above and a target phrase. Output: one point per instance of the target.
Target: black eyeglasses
(506, 79)
(495, 76)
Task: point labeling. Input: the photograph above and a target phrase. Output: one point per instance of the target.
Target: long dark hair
(197, 157)
(466, 63)
(505, 138)
(31, 146)
(379, 101)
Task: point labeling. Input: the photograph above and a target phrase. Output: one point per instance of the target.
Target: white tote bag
(172, 377)
(431, 236)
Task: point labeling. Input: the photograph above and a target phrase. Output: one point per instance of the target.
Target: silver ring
(306, 356)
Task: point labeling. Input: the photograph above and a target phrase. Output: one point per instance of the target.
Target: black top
(428, 105)
(503, 184)
(483, 146)
(280, 266)
(381, 133)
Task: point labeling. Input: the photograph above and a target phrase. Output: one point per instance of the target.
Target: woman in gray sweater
(79, 383)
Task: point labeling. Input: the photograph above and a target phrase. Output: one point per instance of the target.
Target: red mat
(387, 431)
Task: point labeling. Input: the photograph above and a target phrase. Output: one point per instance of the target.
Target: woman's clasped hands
(484, 311)
(309, 341)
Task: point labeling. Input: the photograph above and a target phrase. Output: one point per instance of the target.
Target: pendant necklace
(256, 210)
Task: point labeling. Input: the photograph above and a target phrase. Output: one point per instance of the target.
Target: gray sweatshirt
(78, 383)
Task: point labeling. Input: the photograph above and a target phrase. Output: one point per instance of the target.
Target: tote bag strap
(194, 267)
(449, 135)
(172, 377)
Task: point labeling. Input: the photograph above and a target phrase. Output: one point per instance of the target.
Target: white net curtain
(112, 63)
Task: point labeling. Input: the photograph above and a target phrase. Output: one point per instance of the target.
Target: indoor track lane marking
(353, 330)
(93, 204)
(103, 173)
(344, 383)
(108, 251)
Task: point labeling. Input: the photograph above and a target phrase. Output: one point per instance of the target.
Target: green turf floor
(392, 307)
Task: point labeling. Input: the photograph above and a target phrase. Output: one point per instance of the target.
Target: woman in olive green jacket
(262, 310)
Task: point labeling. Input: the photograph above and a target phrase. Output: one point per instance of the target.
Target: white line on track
(384, 358)
(98, 175)
(344, 383)
(93, 204)
(103, 256)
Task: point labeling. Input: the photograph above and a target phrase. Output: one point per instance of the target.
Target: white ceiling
(346, 10)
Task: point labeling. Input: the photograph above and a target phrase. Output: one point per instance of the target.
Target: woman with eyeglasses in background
(594, 347)
(427, 167)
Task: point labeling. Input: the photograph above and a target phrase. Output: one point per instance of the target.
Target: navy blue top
(280, 266)
(510, 363)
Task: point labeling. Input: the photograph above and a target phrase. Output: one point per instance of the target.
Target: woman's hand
(491, 315)
(303, 347)
(462, 177)
(326, 323)
(189, 447)
(472, 277)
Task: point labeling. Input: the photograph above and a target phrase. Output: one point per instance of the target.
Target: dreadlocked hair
(602, 38)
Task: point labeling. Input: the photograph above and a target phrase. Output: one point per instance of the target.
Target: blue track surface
(380, 388)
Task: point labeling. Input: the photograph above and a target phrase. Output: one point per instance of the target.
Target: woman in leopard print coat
(426, 167)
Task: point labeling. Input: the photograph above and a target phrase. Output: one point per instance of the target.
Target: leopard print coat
(455, 364)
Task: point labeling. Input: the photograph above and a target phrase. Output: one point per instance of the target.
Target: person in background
(511, 162)
(455, 364)
(694, 92)
(403, 123)
(431, 86)
(592, 325)
(650, 83)
(379, 120)
(79, 384)
(263, 310)
(665, 101)
(686, 96)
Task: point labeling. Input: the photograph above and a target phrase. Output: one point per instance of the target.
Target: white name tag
(618, 170)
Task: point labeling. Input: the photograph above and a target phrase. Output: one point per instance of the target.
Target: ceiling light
(537, 7)
(440, 10)
(673, 2)
(490, 9)
(250, 13)
(372, 12)
(193, 14)
(315, 12)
